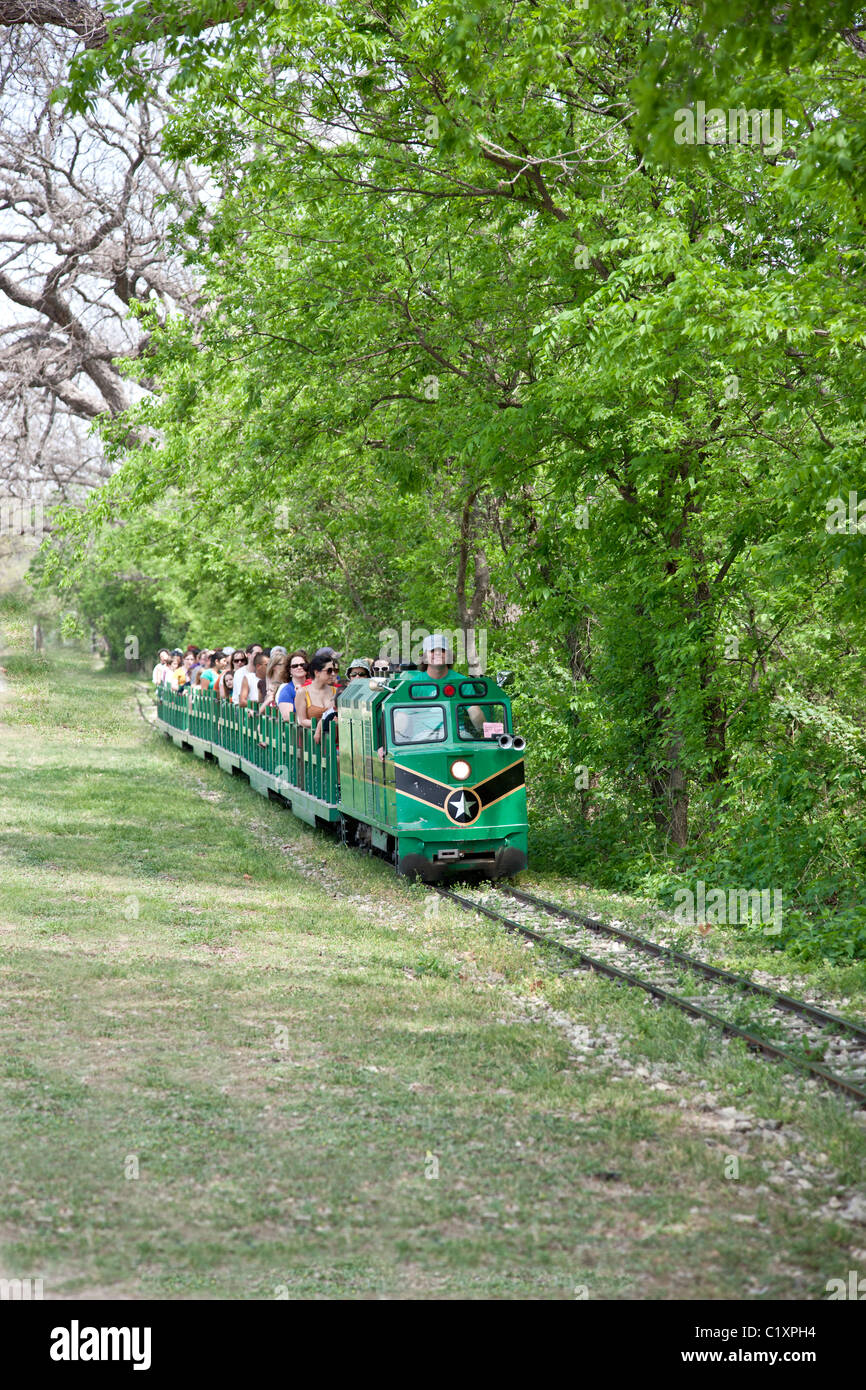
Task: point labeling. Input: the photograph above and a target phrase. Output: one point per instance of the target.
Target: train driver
(438, 657)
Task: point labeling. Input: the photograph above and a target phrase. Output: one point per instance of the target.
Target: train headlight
(461, 770)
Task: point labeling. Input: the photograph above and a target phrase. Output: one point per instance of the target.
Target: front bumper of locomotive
(438, 857)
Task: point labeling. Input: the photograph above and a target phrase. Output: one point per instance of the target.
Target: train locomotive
(426, 772)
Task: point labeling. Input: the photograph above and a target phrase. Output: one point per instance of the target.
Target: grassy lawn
(241, 1062)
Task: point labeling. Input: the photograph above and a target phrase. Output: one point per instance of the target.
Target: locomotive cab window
(482, 721)
(418, 724)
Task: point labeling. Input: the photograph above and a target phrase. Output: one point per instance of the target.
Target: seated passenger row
(306, 689)
(301, 687)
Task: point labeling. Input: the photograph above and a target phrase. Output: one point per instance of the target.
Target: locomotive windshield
(481, 721)
(418, 724)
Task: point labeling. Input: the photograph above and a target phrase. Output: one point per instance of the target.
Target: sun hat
(360, 662)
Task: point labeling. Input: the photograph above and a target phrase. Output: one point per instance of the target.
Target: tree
(87, 203)
(456, 250)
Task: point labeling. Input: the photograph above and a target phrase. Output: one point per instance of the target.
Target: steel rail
(711, 972)
(666, 996)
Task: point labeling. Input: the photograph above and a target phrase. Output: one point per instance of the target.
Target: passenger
(329, 652)
(253, 652)
(225, 686)
(276, 674)
(297, 669)
(191, 662)
(254, 683)
(242, 665)
(382, 667)
(262, 673)
(210, 672)
(359, 667)
(320, 695)
(332, 655)
(178, 676)
(162, 668)
(198, 665)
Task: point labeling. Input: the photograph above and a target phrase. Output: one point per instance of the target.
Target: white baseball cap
(436, 641)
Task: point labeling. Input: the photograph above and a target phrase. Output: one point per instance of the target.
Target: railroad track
(826, 1046)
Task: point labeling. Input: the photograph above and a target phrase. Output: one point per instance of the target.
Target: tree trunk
(577, 642)
(469, 610)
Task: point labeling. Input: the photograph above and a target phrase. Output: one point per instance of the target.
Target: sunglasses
(298, 666)
(239, 661)
(330, 670)
(381, 670)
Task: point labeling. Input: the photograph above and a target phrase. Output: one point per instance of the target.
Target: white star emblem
(462, 807)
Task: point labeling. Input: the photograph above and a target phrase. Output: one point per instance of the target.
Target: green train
(428, 773)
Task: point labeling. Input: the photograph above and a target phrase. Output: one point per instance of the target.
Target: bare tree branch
(85, 208)
(86, 21)
(89, 22)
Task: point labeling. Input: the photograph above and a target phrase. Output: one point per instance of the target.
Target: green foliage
(475, 318)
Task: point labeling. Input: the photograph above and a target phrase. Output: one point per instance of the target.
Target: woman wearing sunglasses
(294, 679)
(312, 700)
(236, 664)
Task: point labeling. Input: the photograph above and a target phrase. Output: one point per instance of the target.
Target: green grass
(284, 1041)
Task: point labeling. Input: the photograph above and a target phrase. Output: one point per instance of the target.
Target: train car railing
(280, 748)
